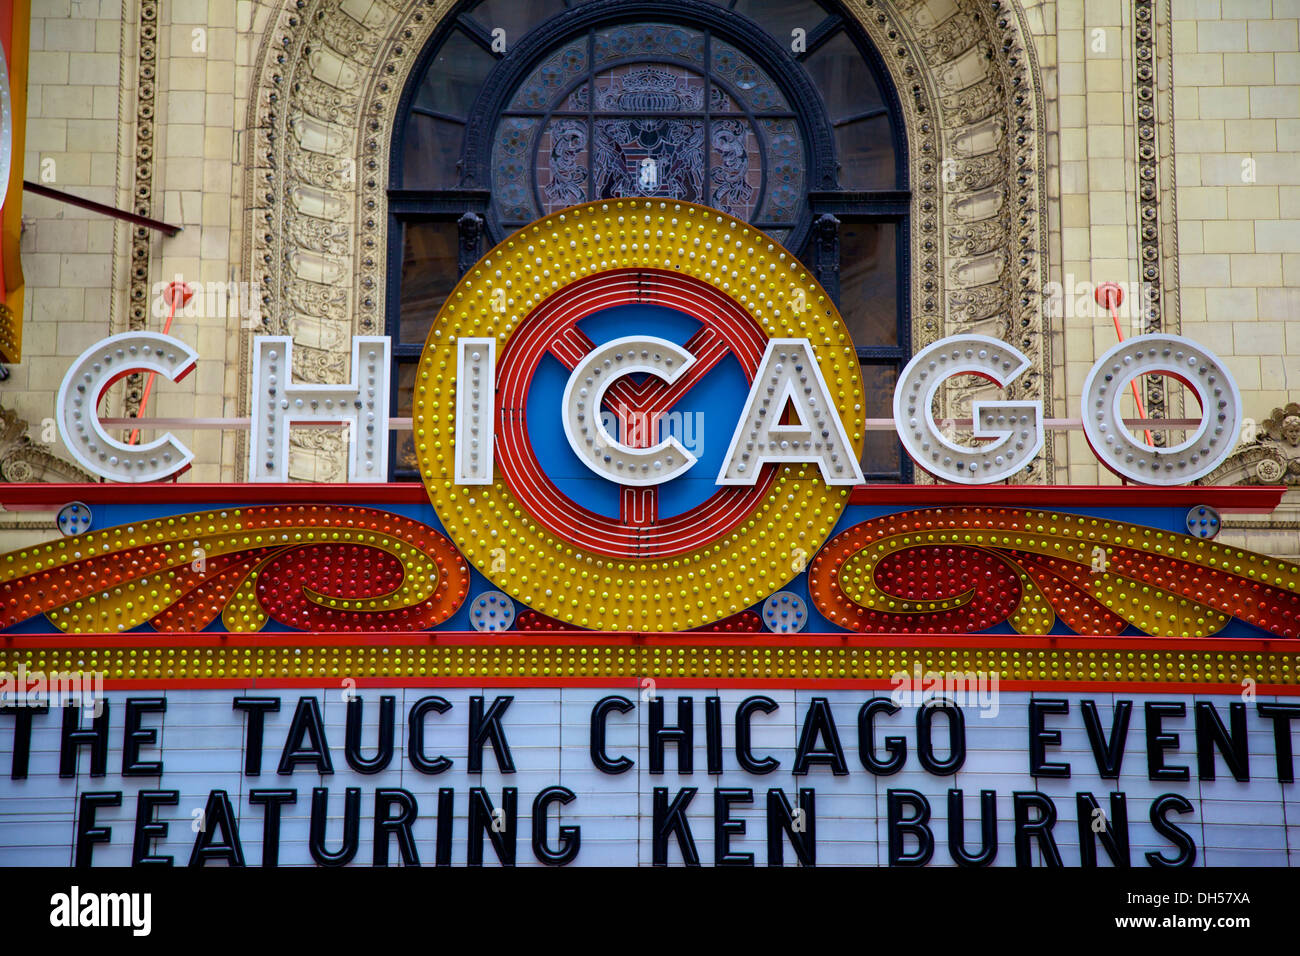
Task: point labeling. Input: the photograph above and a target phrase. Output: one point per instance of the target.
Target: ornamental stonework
(330, 73)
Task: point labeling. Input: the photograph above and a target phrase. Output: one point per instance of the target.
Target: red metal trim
(552, 327)
(33, 496)
(1243, 499)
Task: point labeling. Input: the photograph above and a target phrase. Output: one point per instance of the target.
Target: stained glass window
(648, 109)
(774, 111)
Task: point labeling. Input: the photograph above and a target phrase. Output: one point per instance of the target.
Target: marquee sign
(528, 297)
(569, 567)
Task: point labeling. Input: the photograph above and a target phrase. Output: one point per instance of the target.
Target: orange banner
(14, 20)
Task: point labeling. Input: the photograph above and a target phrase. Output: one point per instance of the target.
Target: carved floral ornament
(1269, 453)
(330, 74)
(24, 460)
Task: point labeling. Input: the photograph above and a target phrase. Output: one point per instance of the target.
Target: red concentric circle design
(552, 328)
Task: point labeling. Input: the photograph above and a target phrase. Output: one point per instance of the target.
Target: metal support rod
(1110, 295)
(404, 424)
(165, 228)
(178, 293)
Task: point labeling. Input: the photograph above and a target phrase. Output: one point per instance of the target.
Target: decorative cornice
(980, 195)
(1234, 525)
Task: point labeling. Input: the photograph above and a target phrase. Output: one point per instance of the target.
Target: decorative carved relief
(322, 117)
(1273, 458)
(142, 187)
(1149, 193)
(469, 229)
(22, 459)
(313, 222)
(991, 187)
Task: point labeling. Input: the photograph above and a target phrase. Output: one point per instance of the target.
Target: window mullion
(477, 32)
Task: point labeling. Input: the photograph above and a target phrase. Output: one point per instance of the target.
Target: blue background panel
(703, 420)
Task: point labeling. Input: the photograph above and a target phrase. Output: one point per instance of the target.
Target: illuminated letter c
(90, 375)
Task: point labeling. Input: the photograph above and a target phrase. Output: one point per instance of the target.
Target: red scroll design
(313, 567)
(962, 570)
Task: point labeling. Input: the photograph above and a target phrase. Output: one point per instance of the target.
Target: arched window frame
(817, 239)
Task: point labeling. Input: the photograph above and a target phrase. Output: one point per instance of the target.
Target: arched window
(774, 111)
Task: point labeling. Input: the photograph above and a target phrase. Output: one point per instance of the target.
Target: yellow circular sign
(751, 557)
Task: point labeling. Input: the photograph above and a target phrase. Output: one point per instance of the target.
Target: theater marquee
(590, 637)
